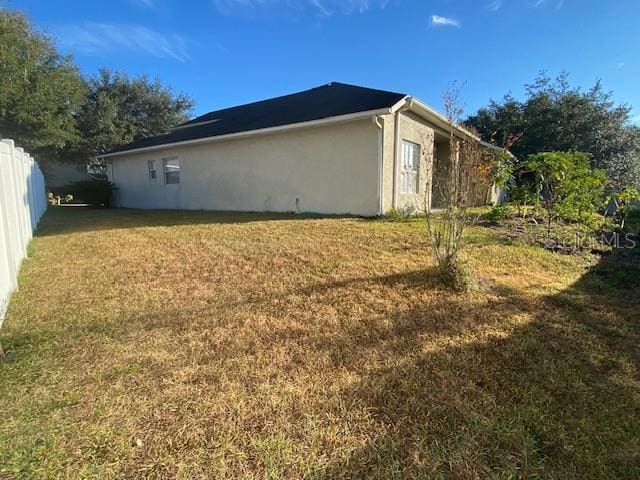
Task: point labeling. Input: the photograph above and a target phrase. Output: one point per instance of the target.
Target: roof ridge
(200, 119)
(365, 88)
(193, 120)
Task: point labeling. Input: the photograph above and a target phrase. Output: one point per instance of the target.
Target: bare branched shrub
(468, 168)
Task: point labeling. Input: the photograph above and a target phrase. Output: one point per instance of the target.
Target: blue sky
(227, 52)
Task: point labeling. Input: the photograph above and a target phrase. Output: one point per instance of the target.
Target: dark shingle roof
(327, 101)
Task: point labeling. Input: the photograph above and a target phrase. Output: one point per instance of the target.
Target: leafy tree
(623, 168)
(40, 90)
(118, 110)
(557, 117)
(565, 184)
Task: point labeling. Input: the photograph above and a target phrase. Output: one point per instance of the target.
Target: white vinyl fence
(23, 200)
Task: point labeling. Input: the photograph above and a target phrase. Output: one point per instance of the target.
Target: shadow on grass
(462, 388)
(66, 220)
(457, 395)
(552, 398)
(418, 279)
(556, 398)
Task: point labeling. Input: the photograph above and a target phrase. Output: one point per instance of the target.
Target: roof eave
(435, 117)
(250, 133)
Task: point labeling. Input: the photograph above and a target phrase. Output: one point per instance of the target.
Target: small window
(152, 170)
(171, 171)
(409, 170)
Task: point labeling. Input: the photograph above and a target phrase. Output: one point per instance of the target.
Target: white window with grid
(409, 167)
(152, 169)
(171, 170)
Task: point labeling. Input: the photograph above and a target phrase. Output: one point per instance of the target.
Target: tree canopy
(40, 89)
(52, 111)
(555, 116)
(118, 109)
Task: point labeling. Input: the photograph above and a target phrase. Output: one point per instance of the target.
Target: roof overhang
(437, 119)
(439, 122)
(250, 133)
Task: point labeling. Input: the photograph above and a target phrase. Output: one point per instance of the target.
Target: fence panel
(23, 201)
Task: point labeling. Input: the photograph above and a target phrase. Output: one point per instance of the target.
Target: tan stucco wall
(416, 130)
(327, 169)
(388, 148)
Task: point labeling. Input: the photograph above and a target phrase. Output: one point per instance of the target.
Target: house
(334, 149)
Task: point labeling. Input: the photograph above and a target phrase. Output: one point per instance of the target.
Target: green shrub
(456, 276)
(633, 220)
(626, 203)
(93, 192)
(404, 213)
(564, 184)
(499, 212)
(524, 198)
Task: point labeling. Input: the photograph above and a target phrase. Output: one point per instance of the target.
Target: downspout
(378, 120)
(111, 177)
(396, 146)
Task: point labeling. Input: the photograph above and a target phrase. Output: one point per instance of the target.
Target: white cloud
(439, 21)
(321, 7)
(558, 5)
(495, 5)
(620, 65)
(144, 3)
(105, 38)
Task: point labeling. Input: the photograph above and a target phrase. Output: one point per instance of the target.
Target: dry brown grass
(207, 345)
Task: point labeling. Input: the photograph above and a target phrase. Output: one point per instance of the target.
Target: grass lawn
(207, 345)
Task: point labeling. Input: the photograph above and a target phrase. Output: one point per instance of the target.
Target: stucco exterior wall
(388, 149)
(413, 129)
(328, 169)
(416, 130)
